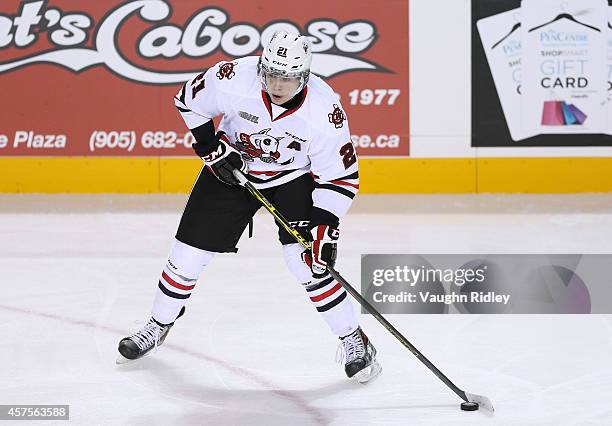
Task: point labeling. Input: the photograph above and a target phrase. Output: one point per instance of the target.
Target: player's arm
(335, 169)
(199, 100)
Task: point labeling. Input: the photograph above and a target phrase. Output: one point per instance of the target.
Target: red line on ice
(303, 405)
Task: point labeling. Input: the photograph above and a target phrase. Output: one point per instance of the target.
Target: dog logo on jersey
(260, 145)
(226, 70)
(336, 117)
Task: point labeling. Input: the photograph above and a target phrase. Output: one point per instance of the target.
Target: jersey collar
(294, 106)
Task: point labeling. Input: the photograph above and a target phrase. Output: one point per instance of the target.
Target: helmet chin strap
(299, 88)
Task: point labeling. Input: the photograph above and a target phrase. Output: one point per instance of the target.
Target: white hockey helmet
(286, 55)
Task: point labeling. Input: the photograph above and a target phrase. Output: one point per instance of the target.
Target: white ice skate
(144, 341)
(359, 357)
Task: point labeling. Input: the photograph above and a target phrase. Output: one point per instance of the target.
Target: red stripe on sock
(326, 294)
(175, 284)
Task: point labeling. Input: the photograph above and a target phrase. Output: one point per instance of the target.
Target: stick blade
(482, 401)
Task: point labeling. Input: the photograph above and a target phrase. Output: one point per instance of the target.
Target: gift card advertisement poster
(542, 73)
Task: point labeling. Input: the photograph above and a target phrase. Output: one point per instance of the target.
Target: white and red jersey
(278, 144)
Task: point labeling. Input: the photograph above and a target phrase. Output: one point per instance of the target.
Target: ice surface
(78, 273)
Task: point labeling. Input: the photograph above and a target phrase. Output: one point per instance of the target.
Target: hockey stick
(482, 401)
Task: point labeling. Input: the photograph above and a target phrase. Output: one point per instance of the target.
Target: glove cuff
(325, 233)
(319, 216)
(210, 146)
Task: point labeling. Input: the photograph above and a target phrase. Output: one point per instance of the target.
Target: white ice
(79, 272)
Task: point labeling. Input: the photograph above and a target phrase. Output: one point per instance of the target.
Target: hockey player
(286, 131)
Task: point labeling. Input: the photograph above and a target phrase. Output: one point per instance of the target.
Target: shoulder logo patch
(226, 70)
(336, 117)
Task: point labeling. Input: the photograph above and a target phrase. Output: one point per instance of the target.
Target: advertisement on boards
(542, 73)
(98, 78)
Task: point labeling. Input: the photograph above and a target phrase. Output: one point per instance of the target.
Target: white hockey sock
(332, 301)
(326, 294)
(178, 280)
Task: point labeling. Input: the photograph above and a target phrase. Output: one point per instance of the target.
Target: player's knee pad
(186, 261)
(293, 258)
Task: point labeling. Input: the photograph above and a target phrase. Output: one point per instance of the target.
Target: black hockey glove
(323, 249)
(222, 159)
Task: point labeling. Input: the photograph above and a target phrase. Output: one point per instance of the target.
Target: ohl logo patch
(336, 117)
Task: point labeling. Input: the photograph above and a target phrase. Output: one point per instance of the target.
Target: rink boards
(378, 176)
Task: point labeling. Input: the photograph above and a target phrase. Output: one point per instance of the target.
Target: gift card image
(560, 113)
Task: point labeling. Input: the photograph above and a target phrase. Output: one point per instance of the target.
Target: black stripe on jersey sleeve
(335, 188)
(182, 109)
(351, 176)
(333, 303)
(182, 97)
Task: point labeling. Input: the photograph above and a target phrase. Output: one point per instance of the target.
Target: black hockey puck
(469, 406)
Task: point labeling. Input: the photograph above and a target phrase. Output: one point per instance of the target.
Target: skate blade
(123, 360)
(368, 374)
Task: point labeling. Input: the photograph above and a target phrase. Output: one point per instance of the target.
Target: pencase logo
(335, 46)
